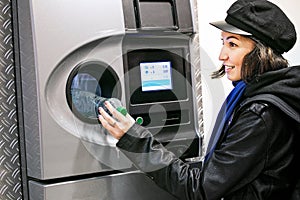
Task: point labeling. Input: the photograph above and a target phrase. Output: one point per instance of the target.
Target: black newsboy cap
(262, 19)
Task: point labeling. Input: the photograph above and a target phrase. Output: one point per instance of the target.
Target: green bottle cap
(122, 110)
(139, 120)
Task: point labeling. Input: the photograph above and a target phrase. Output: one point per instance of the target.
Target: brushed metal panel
(29, 88)
(113, 187)
(48, 35)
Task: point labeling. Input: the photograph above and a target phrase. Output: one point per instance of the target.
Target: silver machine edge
(114, 49)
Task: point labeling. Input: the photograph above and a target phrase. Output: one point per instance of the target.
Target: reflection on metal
(10, 173)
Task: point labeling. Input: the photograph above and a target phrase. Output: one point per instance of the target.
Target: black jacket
(255, 157)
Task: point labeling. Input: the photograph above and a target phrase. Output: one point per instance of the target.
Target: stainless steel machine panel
(63, 41)
(50, 33)
(113, 187)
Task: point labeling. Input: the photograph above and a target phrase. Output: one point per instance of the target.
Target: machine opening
(156, 14)
(88, 84)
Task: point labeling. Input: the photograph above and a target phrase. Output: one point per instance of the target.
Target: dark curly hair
(260, 60)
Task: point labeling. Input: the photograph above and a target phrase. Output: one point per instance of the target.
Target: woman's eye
(232, 44)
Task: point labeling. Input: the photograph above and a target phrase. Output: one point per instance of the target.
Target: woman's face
(233, 51)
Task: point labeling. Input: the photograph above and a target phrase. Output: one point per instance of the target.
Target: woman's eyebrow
(230, 37)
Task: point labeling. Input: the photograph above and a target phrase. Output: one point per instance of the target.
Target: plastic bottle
(116, 103)
(88, 103)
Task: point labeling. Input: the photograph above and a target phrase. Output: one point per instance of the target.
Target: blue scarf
(224, 115)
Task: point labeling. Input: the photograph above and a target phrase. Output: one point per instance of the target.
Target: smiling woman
(254, 149)
(235, 48)
(254, 58)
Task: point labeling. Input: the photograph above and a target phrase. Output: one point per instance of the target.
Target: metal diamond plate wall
(197, 75)
(10, 173)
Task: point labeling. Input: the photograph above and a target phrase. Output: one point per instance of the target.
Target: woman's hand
(117, 125)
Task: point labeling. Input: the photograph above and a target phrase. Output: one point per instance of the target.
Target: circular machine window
(87, 84)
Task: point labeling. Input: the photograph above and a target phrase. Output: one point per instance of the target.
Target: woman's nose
(223, 54)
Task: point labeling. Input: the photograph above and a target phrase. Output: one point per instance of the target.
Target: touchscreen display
(156, 76)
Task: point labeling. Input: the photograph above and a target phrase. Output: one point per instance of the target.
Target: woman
(252, 153)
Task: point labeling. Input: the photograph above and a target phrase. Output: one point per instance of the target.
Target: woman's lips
(228, 68)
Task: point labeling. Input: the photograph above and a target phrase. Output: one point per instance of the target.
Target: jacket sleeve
(161, 165)
(233, 164)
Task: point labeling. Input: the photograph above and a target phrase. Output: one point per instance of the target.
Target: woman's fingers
(118, 124)
(116, 114)
(110, 120)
